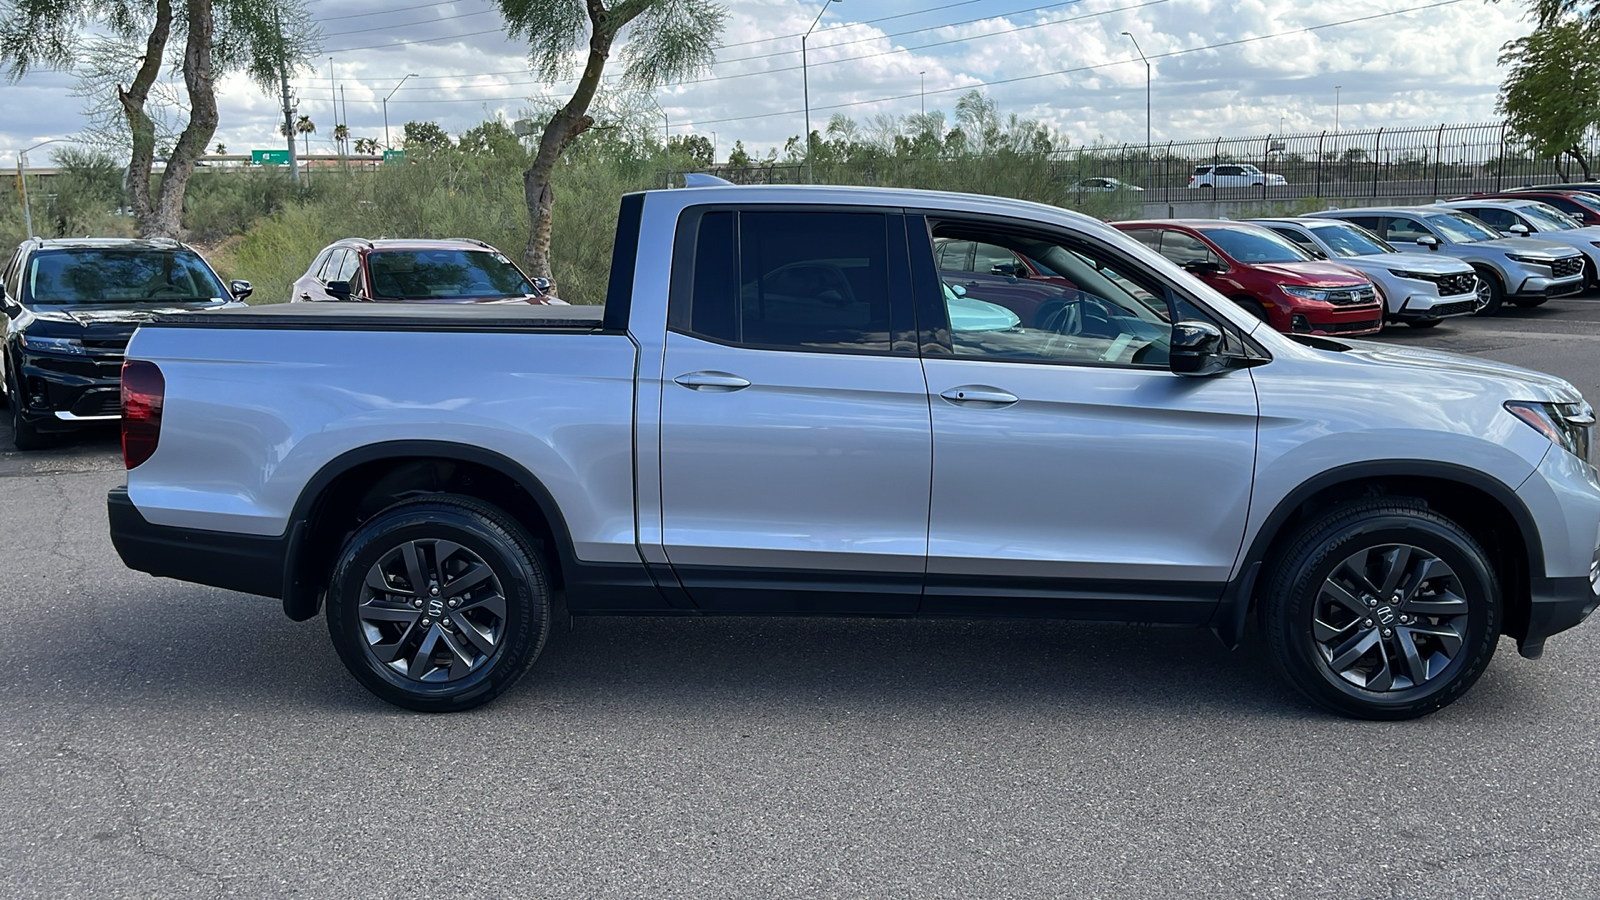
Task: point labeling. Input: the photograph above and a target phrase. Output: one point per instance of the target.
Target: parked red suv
(417, 271)
(1267, 275)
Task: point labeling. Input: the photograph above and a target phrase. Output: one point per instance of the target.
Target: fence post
(1377, 156)
(1438, 150)
(1166, 175)
(1500, 170)
(1266, 163)
(1320, 139)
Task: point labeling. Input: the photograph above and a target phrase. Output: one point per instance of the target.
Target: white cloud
(1424, 67)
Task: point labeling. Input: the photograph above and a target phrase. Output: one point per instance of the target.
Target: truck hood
(1519, 383)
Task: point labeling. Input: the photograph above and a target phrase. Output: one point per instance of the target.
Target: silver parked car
(1524, 271)
(1420, 289)
(1534, 218)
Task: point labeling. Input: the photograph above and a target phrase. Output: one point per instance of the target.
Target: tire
(1336, 639)
(1254, 307)
(1495, 290)
(439, 666)
(1423, 323)
(24, 434)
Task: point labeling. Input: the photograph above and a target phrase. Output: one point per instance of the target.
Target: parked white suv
(1419, 289)
(1227, 175)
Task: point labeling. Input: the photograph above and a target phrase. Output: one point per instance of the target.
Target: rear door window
(1404, 231)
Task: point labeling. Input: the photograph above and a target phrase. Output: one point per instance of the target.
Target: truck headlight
(71, 346)
(1566, 424)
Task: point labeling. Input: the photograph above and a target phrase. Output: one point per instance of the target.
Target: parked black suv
(69, 307)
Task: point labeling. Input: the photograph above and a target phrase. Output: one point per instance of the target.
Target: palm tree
(341, 135)
(307, 128)
(222, 149)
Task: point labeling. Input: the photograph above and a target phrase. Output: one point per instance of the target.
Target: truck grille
(1354, 296)
(1450, 285)
(1563, 268)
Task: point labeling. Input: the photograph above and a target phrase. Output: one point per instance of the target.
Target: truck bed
(520, 317)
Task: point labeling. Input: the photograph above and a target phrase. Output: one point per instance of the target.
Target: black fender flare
(1229, 619)
(301, 600)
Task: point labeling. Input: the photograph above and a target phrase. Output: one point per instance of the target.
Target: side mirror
(240, 289)
(542, 285)
(8, 305)
(958, 290)
(1196, 349)
(1203, 267)
(1519, 229)
(338, 289)
(1429, 241)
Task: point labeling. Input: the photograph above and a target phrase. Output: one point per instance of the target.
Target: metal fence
(1434, 161)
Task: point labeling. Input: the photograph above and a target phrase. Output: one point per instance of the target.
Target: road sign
(394, 156)
(269, 157)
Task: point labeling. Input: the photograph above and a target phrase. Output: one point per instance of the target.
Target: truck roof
(939, 201)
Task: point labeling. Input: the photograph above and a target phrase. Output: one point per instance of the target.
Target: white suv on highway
(1227, 175)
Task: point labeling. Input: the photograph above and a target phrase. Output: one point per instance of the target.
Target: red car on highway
(1266, 275)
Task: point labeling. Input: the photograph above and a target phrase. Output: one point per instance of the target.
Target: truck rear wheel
(439, 603)
(1381, 609)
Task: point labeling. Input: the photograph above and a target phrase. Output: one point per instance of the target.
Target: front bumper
(1423, 307)
(1547, 286)
(1330, 319)
(60, 393)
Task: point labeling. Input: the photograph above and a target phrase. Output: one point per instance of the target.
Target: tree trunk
(571, 121)
(139, 122)
(167, 220)
(1583, 161)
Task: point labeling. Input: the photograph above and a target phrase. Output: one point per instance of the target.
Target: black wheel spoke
(480, 641)
(422, 661)
(1337, 593)
(374, 613)
(1389, 618)
(491, 602)
(460, 658)
(475, 575)
(378, 580)
(442, 552)
(412, 555)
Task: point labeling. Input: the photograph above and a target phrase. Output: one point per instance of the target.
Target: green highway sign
(269, 157)
(394, 156)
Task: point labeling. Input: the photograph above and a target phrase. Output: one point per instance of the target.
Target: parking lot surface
(168, 740)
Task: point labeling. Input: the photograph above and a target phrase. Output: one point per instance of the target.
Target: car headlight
(1418, 276)
(1530, 260)
(71, 346)
(1307, 293)
(1566, 424)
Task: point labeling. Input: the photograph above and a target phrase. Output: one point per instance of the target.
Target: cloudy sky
(1220, 67)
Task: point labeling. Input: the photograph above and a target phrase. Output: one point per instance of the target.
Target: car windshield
(1351, 240)
(444, 274)
(80, 276)
(1548, 218)
(1255, 245)
(1460, 229)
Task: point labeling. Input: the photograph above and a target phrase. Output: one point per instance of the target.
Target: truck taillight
(143, 390)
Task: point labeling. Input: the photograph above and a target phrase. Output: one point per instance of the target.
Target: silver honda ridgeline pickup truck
(783, 409)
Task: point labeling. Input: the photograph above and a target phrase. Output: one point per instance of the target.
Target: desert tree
(664, 40)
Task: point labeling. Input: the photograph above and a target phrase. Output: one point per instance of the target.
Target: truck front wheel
(439, 603)
(1381, 609)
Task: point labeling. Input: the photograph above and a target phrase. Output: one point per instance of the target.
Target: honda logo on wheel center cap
(435, 608)
(1385, 614)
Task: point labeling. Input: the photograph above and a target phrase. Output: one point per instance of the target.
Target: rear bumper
(238, 562)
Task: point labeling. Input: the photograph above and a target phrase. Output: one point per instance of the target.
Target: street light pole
(923, 81)
(386, 144)
(22, 179)
(805, 81)
(1336, 107)
(1149, 163)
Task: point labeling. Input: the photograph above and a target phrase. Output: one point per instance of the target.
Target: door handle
(716, 382)
(979, 394)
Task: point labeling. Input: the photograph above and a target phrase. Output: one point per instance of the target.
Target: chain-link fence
(1437, 161)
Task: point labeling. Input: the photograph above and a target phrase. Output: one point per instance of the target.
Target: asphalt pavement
(168, 740)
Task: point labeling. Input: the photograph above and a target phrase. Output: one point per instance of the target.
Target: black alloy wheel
(439, 603)
(24, 434)
(1381, 609)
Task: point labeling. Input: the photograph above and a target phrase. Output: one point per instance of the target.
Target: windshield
(1255, 245)
(1548, 218)
(1460, 229)
(80, 277)
(441, 274)
(1352, 240)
